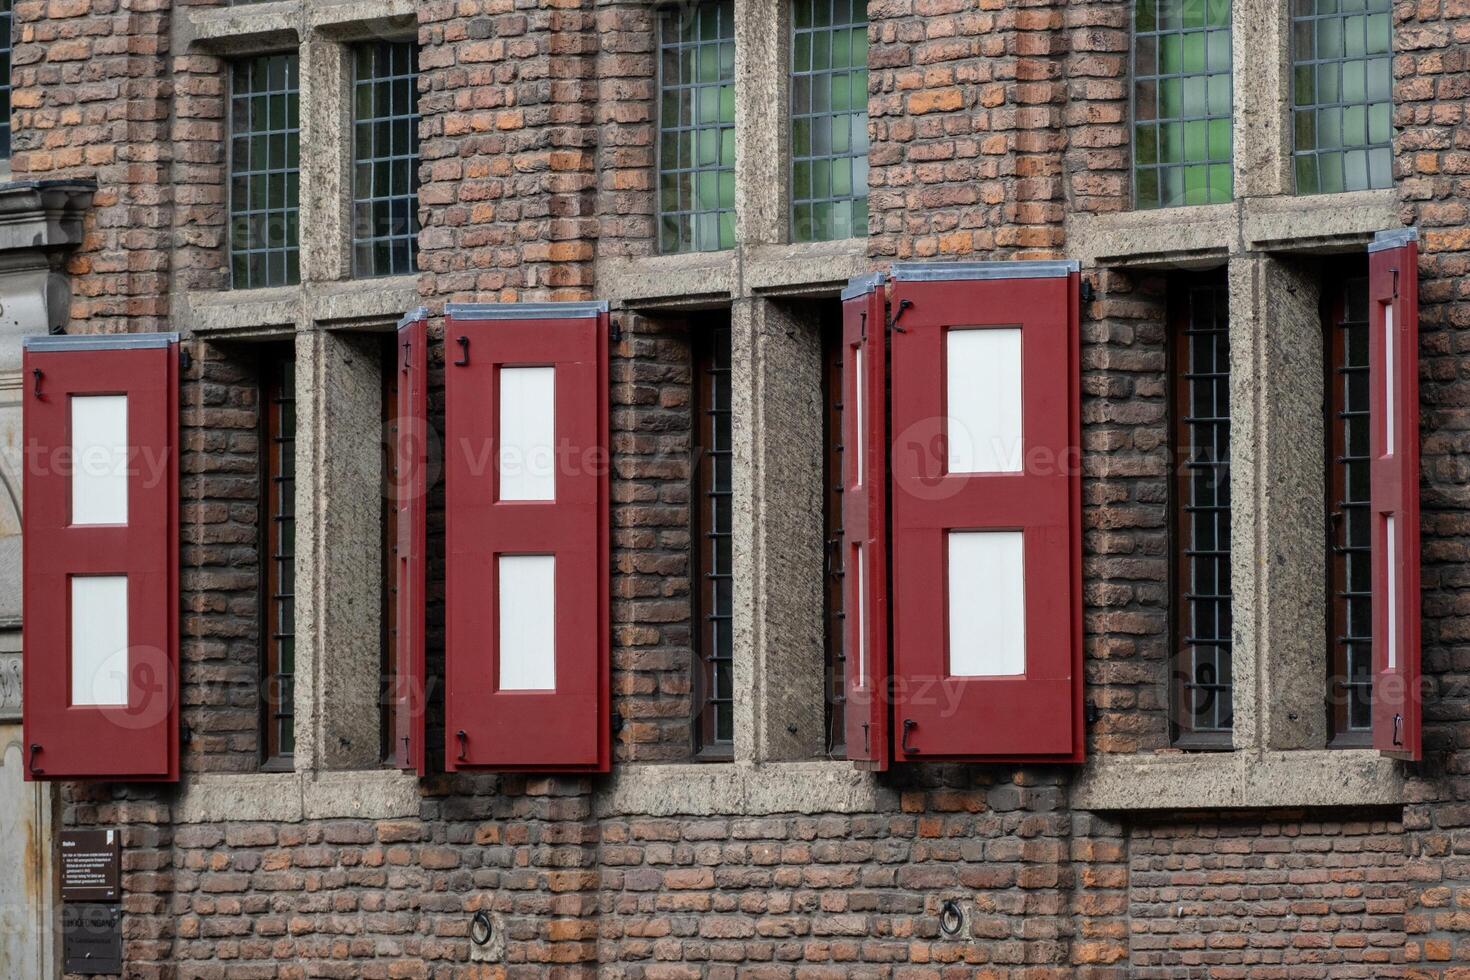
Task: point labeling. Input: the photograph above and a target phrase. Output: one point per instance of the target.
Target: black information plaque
(91, 866)
(91, 938)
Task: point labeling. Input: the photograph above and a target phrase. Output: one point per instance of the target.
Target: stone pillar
(326, 160)
(1261, 57)
(776, 383)
(1278, 528)
(338, 550)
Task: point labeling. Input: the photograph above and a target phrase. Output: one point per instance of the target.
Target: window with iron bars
(265, 171)
(696, 143)
(385, 178)
(714, 728)
(1203, 688)
(278, 551)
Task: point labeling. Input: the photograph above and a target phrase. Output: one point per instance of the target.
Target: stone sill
(260, 27)
(1239, 780)
(728, 789)
(1204, 236)
(697, 280)
(246, 313)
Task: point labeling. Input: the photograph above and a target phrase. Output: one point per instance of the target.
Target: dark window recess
(1349, 528)
(833, 555)
(7, 26)
(278, 545)
(389, 591)
(1203, 713)
(714, 723)
(385, 209)
(265, 171)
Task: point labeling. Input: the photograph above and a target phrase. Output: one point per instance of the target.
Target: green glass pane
(801, 180)
(1306, 174)
(1329, 84)
(842, 178)
(1354, 125)
(1145, 144)
(1145, 15)
(821, 51)
(686, 66)
(860, 216)
(1217, 13)
(668, 193)
(1355, 170)
(1194, 14)
(1305, 127)
(841, 143)
(1329, 38)
(1171, 98)
(801, 14)
(709, 64)
(801, 137)
(840, 102)
(1220, 139)
(1354, 81)
(1329, 127)
(860, 47)
(709, 148)
(1380, 123)
(727, 62)
(1196, 136)
(801, 58)
(1302, 45)
(1194, 96)
(1355, 36)
(1220, 94)
(822, 13)
(1171, 142)
(727, 103)
(841, 49)
(1380, 34)
(727, 147)
(668, 237)
(1303, 85)
(709, 24)
(668, 151)
(727, 189)
(801, 223)
(1329, 172)
(821, 178)
(1147, 192)
(1380, 167)
(1379, 79)
(709, 105)
(1218, 50)
(1194, 52)
(1171, 54)
(727, 230)
(1222, 180)
(669, 110)
(860, 176)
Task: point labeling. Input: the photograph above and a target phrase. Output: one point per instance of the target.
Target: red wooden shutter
(987, 634)
(865, 521)
(410, 485)
(527, 537)
(1393, 379)
(101, 557)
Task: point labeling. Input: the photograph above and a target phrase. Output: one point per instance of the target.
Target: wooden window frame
(709, 342)
(1184, 371)
(1342, 616)
(277, 698)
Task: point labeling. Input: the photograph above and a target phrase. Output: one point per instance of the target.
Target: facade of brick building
(1235, 822)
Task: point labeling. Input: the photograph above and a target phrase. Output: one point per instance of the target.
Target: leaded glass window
(696, 148)
(6, 26)
(1342, 77)
(829, 119)
(385, 216)
(265, 171)
(1182, 130)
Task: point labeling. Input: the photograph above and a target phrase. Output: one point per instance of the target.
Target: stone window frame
(1279, 755)
(336, 325)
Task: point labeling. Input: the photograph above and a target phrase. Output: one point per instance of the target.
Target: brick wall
(219, 532)
(1300, 895)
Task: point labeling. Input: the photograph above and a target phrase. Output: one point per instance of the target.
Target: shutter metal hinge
(614, 330)
(903, 307)
(1086, 291)
(1395, 282)
(464, 346)
(38, 374)
(31, 762)
(184, 359)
